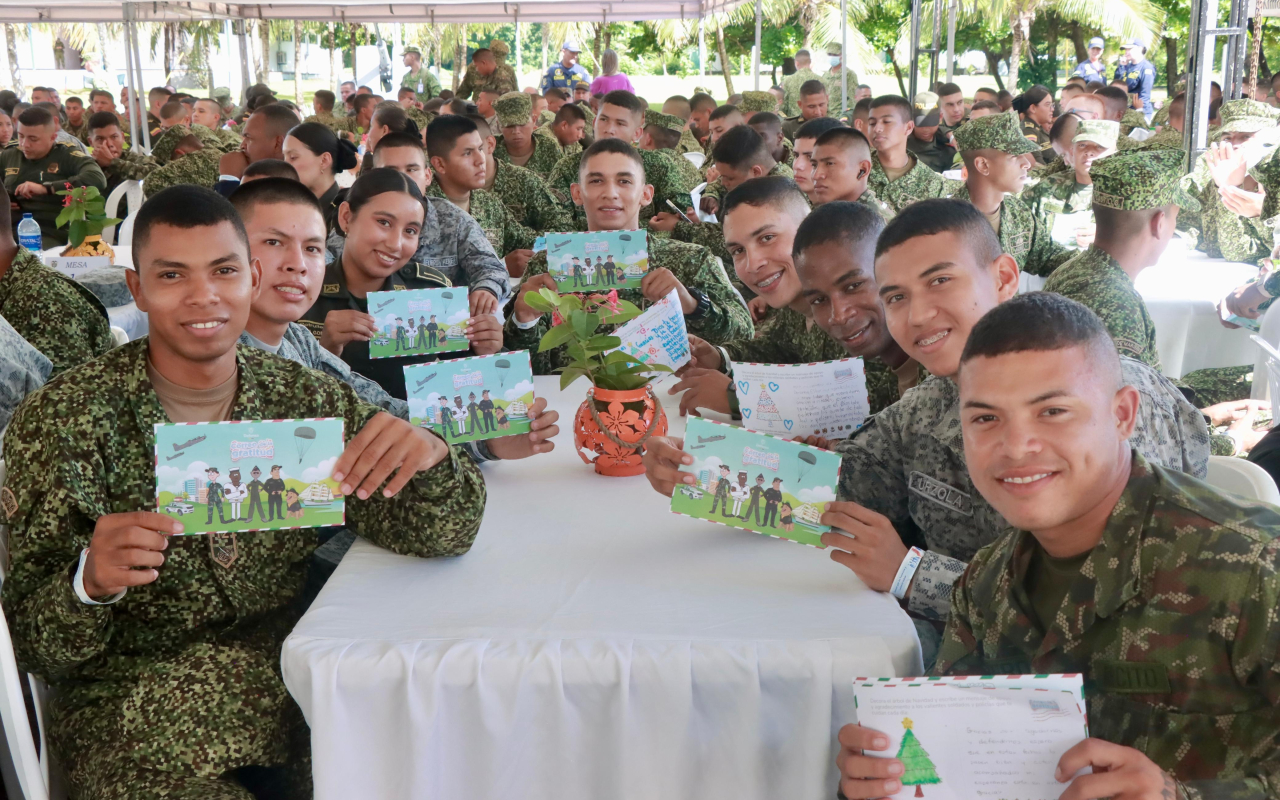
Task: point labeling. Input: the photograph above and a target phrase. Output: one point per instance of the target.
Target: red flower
(68, 185)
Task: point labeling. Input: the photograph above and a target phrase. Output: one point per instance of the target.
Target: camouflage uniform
(546, 154)
(230, 140)
(528, 199)
(56, 315)
(688, 143)
(907, 462)
(23, 369)
(130, 166)
(163, 692)
(60, 166)
(455, 245)
(716, 188)
(1132, 119)
(831, 80)
(210, 139)
(500, 81)
(80, 131)
(420, 118)
(329, 120)
(664, 176)
(199, 168)
(1223, 233)
(756, 102)
(1026, 234)
(919, 183)
(693, 266)
(1171, 621)
(501, 229)
(424, 84)
(1058, 193)
(162, 146)
(791, 89)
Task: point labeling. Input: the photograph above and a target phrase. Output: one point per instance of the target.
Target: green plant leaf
(568, 303)
(577, 354)
(570, 375)
(555, 337)
(585, 324)
(603, 341)
(76, 233)
(537, 302)
(63, 217)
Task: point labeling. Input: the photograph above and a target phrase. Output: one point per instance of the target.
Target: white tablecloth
(591, 645)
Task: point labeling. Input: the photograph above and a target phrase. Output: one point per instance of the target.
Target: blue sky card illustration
(413, 322)
(597, 261)
(464, 399)
(757, 482)
(827, 399)
(216, 477)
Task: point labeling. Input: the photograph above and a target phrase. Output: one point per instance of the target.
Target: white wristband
(906, 571)
(78, 585)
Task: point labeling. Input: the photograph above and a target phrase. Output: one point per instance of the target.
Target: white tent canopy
(447, 11)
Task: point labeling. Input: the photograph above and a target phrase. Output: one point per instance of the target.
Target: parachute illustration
(305, 436)
(502, 365)
(448, 298)
(807, 462)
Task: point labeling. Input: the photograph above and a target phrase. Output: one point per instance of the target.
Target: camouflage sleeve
(1238, 238)
(670, 185)
(431, 84)
(548, 215)
(771, 344)
(514, 235)
(467, 86)
(1045, 254)
(714, 189)
(563, 176)
(728, 317)
(959, 653)
(483, 268)
(23, 369)
(516, 338)
(64, 322)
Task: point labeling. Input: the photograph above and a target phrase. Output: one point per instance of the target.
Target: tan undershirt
(994, 219)
(194, 405)
(908, 375)
(897, 172)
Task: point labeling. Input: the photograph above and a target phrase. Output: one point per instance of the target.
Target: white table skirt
(591, 645)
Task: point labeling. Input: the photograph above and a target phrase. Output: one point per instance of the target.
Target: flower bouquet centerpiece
(84, 216)
(621, 410)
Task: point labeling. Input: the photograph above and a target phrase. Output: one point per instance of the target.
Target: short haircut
(985, 105)
(839, 221)
(156, 93)
(96, 93)
(1060, 126)
(814, 128)
(685, 108)
(1041, 322)
(741, 148)
(280, 120)
(399, 139)
(103, 119)
(275, 191)
(35, 116)
(723, 111)
(905, 110)
(482, 125)
(862, 109)
(612, 146)
(942, 215)
(172, 110)
(481, 53)
(73, 99)
(52, 108)
(185, 207)
(361, 101)
(663, 138)
(1077, 79)
(948, 89)
(986, 90)
(810, 88)
(844, 137)
(271, 168)
(1115, 98)
(802, 53)
(569, 113)
(557, 93)
(624, 99)
(702, 101)
(770, 190)
(326, 99)
(459, 107)
(1180, 102)
(766, 118)
(443, 133)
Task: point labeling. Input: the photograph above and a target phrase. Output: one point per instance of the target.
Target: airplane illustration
(697, 447)
(185, 445)
(710, 438)
(176, 455)
(384, 305)
(423, 382)
(560, 245)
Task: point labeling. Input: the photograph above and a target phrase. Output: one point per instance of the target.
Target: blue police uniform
(1091, 72)
(1139, 77)
(557, 77)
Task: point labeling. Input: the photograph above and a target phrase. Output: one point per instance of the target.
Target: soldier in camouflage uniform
(841, 169)
(23, 369)
(183, 159)
(756, 102)
(717, 313)
(661, 135)
(117, 160)
(489, 72)
(792, 83)
(1132, 119)
(984, 143)
(831, 79)
(1165, 605)
(527, 197)
(503, 232)
(888, 132)
(514, 110)
(420, 80)
(1071, 191)
(171, 686)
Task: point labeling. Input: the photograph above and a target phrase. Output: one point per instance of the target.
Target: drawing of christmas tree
(919, 770)
(765, 407)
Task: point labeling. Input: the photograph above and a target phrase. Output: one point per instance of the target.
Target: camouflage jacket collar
(946, 429)
(23, 260)
(1100, 260)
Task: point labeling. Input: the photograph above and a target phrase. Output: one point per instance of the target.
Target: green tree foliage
(919, 770)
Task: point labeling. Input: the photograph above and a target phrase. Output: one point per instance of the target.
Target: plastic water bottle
(29, 234)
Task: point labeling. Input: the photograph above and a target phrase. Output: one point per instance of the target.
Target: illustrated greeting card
(251, 475)
(757, 482)
(959, 741)
(414, 322)
(595, 261)
(658, 335)
(827, 399)
(465, 399)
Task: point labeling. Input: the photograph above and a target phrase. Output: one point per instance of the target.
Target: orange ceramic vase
(615, 425)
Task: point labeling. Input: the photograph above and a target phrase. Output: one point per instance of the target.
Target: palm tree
(11, 49)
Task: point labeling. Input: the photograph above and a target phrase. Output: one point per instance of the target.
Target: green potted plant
(84, 216)
(620, 411)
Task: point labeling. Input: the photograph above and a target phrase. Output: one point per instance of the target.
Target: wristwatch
(704, 303)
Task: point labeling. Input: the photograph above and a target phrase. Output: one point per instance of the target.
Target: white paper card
(658, 335)
(970, 743)
(827, 399)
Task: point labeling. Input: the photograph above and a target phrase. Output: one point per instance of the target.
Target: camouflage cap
(1136, 180)
(1103, 132)
(755, 102)
(499, 48)
(669, 121)
(702, 90)
(1247, 116)
(833, 49)
(412, 50)
(994, 132)
(221, 94)
(163, 146)
(514, 108)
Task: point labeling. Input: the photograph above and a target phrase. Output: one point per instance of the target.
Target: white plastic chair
(697, 159)
(1243, 478)
(120, 336)
(1264, 370)
(132, 190)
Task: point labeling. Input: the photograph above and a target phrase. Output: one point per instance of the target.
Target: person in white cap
(1093, 70)
(566, 72)
(1139, 74)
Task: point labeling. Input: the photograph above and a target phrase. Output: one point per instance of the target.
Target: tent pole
(702, 47)
(951, 41)
(130, 107)
(519, 58)
(137, 60)
(844, 53)
(755, 61)
(244, 54)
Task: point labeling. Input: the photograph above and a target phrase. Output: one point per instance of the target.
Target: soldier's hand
(704, 355)
(1243, 203)
(1234, 410)
(538, 440)
(709, 205)
(516, 262)
(386, 444)
(523, 312)
(1244, 301)
(1226, 164)
(658, 283)
(864, 541)
(346, 325)
(703, 388)
(485, 334)
(1121, 773)
(758, 308)
(233, 163)
(866, 777)
(29, 189)
(820, 442)
(482, 301)
(662, 458)
(664, 221)
(125, 551)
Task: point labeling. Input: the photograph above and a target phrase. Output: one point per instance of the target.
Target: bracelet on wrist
(906, 571)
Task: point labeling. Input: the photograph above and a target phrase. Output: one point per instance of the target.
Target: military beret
(412, 50)
(755, 102)
(1247, 116)
(994, 132)
(1103, 132)
(669, 121)
(499, 48)
(1137, 180)
(514, 108)
(164, 145)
